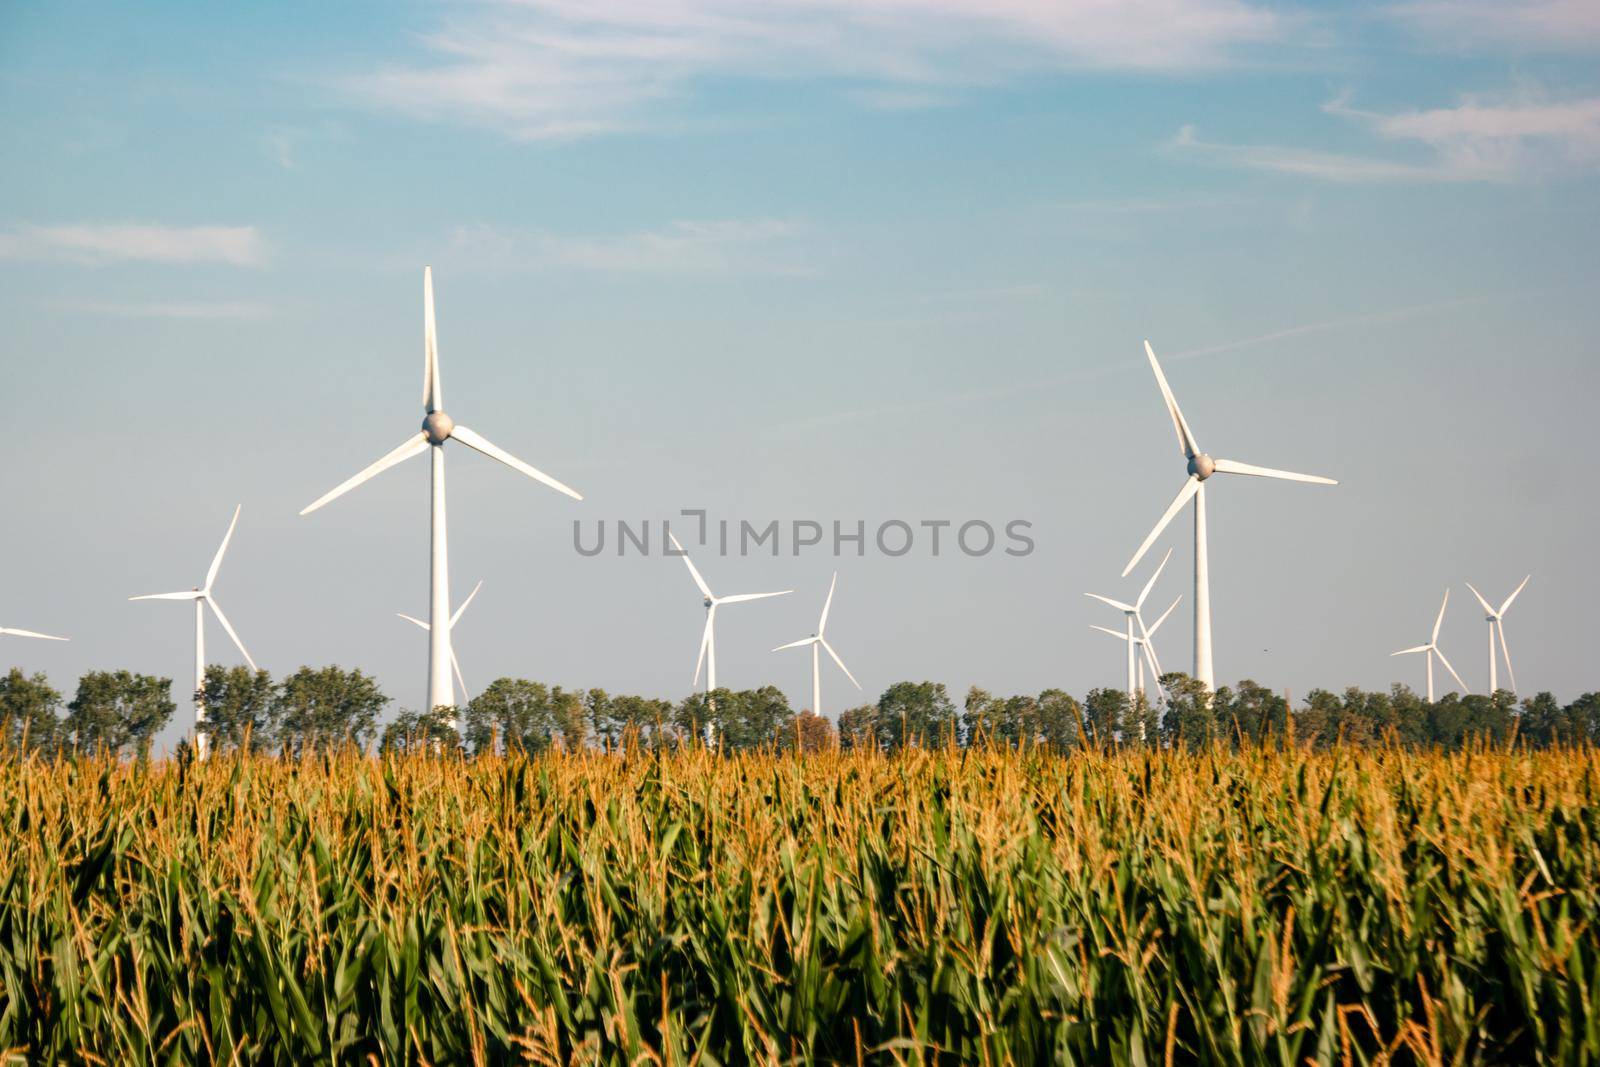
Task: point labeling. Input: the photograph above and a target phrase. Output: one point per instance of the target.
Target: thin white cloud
(758, 246)
(1483, 139)
(1552, 25)
(552, 69)
(227, 309)
(238, 246)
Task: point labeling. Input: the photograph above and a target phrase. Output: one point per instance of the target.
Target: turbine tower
(1432, 649)
(1130, 616)
(437, 428)
(1201, 467)
(201, 595)
(455, 664)
(818, 641)
(1497, 625)
(708, 637)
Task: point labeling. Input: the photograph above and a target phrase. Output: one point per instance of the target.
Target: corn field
(991, 907)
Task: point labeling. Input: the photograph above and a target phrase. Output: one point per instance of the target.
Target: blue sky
(803, 259)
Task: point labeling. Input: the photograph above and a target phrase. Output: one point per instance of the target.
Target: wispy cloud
(760, 245)
(1482, 139)
(238, 246)
(227, 309)
(1553, 25)
(550, 69)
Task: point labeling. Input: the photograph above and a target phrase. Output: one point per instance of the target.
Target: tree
(1060, 719)
(1583, 718)
(421, 732)
(118, 710)
(814, 733)
(238, 702)
(513, 711)
(858, 727)
(1103, 714)
(1252, 712)
(742, 720)
(915, 713)
(1189, 721)
(29, 713)
(328, 705)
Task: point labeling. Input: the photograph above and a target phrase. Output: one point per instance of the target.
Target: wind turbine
(1432, 649)
(201, 595)
(819, 641)
(1131, 615)
(466, 694)
(1497, 624)
(437, 428)
(1146, 642)
(1201, 467)
(708, 638)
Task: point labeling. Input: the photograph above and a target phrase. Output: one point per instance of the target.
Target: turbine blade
(1186, 439)
(466, 694)
(459, 611)
(1154, 664)
(432, 395)
(216, 561)
(228, 626)
(1408, 651)
(1151, 583)
(840, 662)
(822, 624)
(1229, 466)
(1482, 601)
(1190, 487)
(1438, 622)
(189, 594)
(693, 571)
(413, 619)
(1452, 670)
(1500, 628)
(1119, 605)
(472, 439)
(1118, 634)
(1148, 634)
(414, 445)
(30, 633)
(1514, 594)
(705, 642)
(797, 644)
(739, 598)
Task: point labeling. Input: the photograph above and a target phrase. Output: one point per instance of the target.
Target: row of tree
(314, 707)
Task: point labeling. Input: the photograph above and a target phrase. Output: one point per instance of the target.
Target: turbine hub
(438, 426)
(1202, 466)
(710, 603)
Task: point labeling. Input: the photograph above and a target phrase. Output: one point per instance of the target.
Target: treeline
(122, 712)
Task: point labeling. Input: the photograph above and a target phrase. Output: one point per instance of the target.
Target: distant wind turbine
(201, 595)
(1497, 625)
(1201, 467)
(1130, 617)
(1432, 650)
(819, 641)
(437, 428)
(1146, 643)
(708, 637)
(466, 694)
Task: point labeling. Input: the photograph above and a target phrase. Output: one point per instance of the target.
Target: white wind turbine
(1146, 643)
(1432, 649)
(201, 595)
(437, 428)
(708, 638)
(8, 631)
(819, 641)
(1131, 615)
(1201, 467)
(1497, 625)
(466, 694)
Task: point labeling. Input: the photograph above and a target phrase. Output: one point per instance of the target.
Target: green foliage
(914, 714)
(1051, 718)
(1238, 906)
(239, 703)
(319, 707)
(739, 721)
(118, 711)
(29, 713)
(513, 713)
(1104, 712)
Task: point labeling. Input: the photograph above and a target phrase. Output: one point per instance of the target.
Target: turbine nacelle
(438, 426)
(1202, 466)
